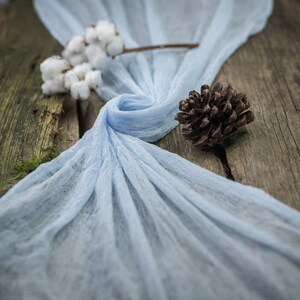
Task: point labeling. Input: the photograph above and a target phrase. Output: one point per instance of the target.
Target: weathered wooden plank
(28, 121)
(267, 68)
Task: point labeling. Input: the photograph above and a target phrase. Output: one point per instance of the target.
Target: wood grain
(28, 121)
(68, 126)
(267, 68)
(88, 112)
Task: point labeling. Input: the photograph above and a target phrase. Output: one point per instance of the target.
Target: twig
(164, 46)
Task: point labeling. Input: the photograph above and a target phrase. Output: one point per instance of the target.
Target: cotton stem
(163, 46)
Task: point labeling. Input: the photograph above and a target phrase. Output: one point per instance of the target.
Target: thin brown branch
(164, 46)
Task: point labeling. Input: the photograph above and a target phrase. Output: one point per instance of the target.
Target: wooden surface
(29, 122)
(267, 68)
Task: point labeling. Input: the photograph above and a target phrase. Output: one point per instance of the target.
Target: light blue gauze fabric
(115, 217)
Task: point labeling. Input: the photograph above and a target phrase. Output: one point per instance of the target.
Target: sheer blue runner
(115, 217)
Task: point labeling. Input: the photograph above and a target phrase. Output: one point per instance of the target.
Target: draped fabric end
(115, 217)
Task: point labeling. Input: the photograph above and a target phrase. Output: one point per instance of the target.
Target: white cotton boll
(66, 54)
(76, 44)
(91, 35)
(70, 78)
(100, 44)
(77, 59)
(52, 66)
(74, 58)
(59, 83)
(94, 80)
(82, 70)
(80, 90)
(54, 86)
(106, 31)
(47, 88)
(116, 46)
(100, 61)
(97, 57)
(92, 50)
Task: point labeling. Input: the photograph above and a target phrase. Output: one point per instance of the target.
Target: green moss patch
(26, 166)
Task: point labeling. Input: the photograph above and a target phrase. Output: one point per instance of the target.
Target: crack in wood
(34, 62)
(81, 120)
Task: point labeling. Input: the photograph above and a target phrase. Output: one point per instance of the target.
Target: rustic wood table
(267, 68)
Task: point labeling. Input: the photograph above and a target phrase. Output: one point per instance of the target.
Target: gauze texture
(115, 217)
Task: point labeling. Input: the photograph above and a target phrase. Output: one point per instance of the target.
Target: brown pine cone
(212, 116)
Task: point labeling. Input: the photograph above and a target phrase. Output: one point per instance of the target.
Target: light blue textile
(115, 217)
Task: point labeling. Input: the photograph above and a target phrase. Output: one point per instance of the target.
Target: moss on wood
(26, 166)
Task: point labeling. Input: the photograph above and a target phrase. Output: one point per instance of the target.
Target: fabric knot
(132, 114)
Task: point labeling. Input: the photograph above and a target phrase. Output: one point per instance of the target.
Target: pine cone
(214, 115)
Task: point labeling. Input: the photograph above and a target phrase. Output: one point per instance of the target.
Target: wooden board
(29, 122)
(267, 68)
